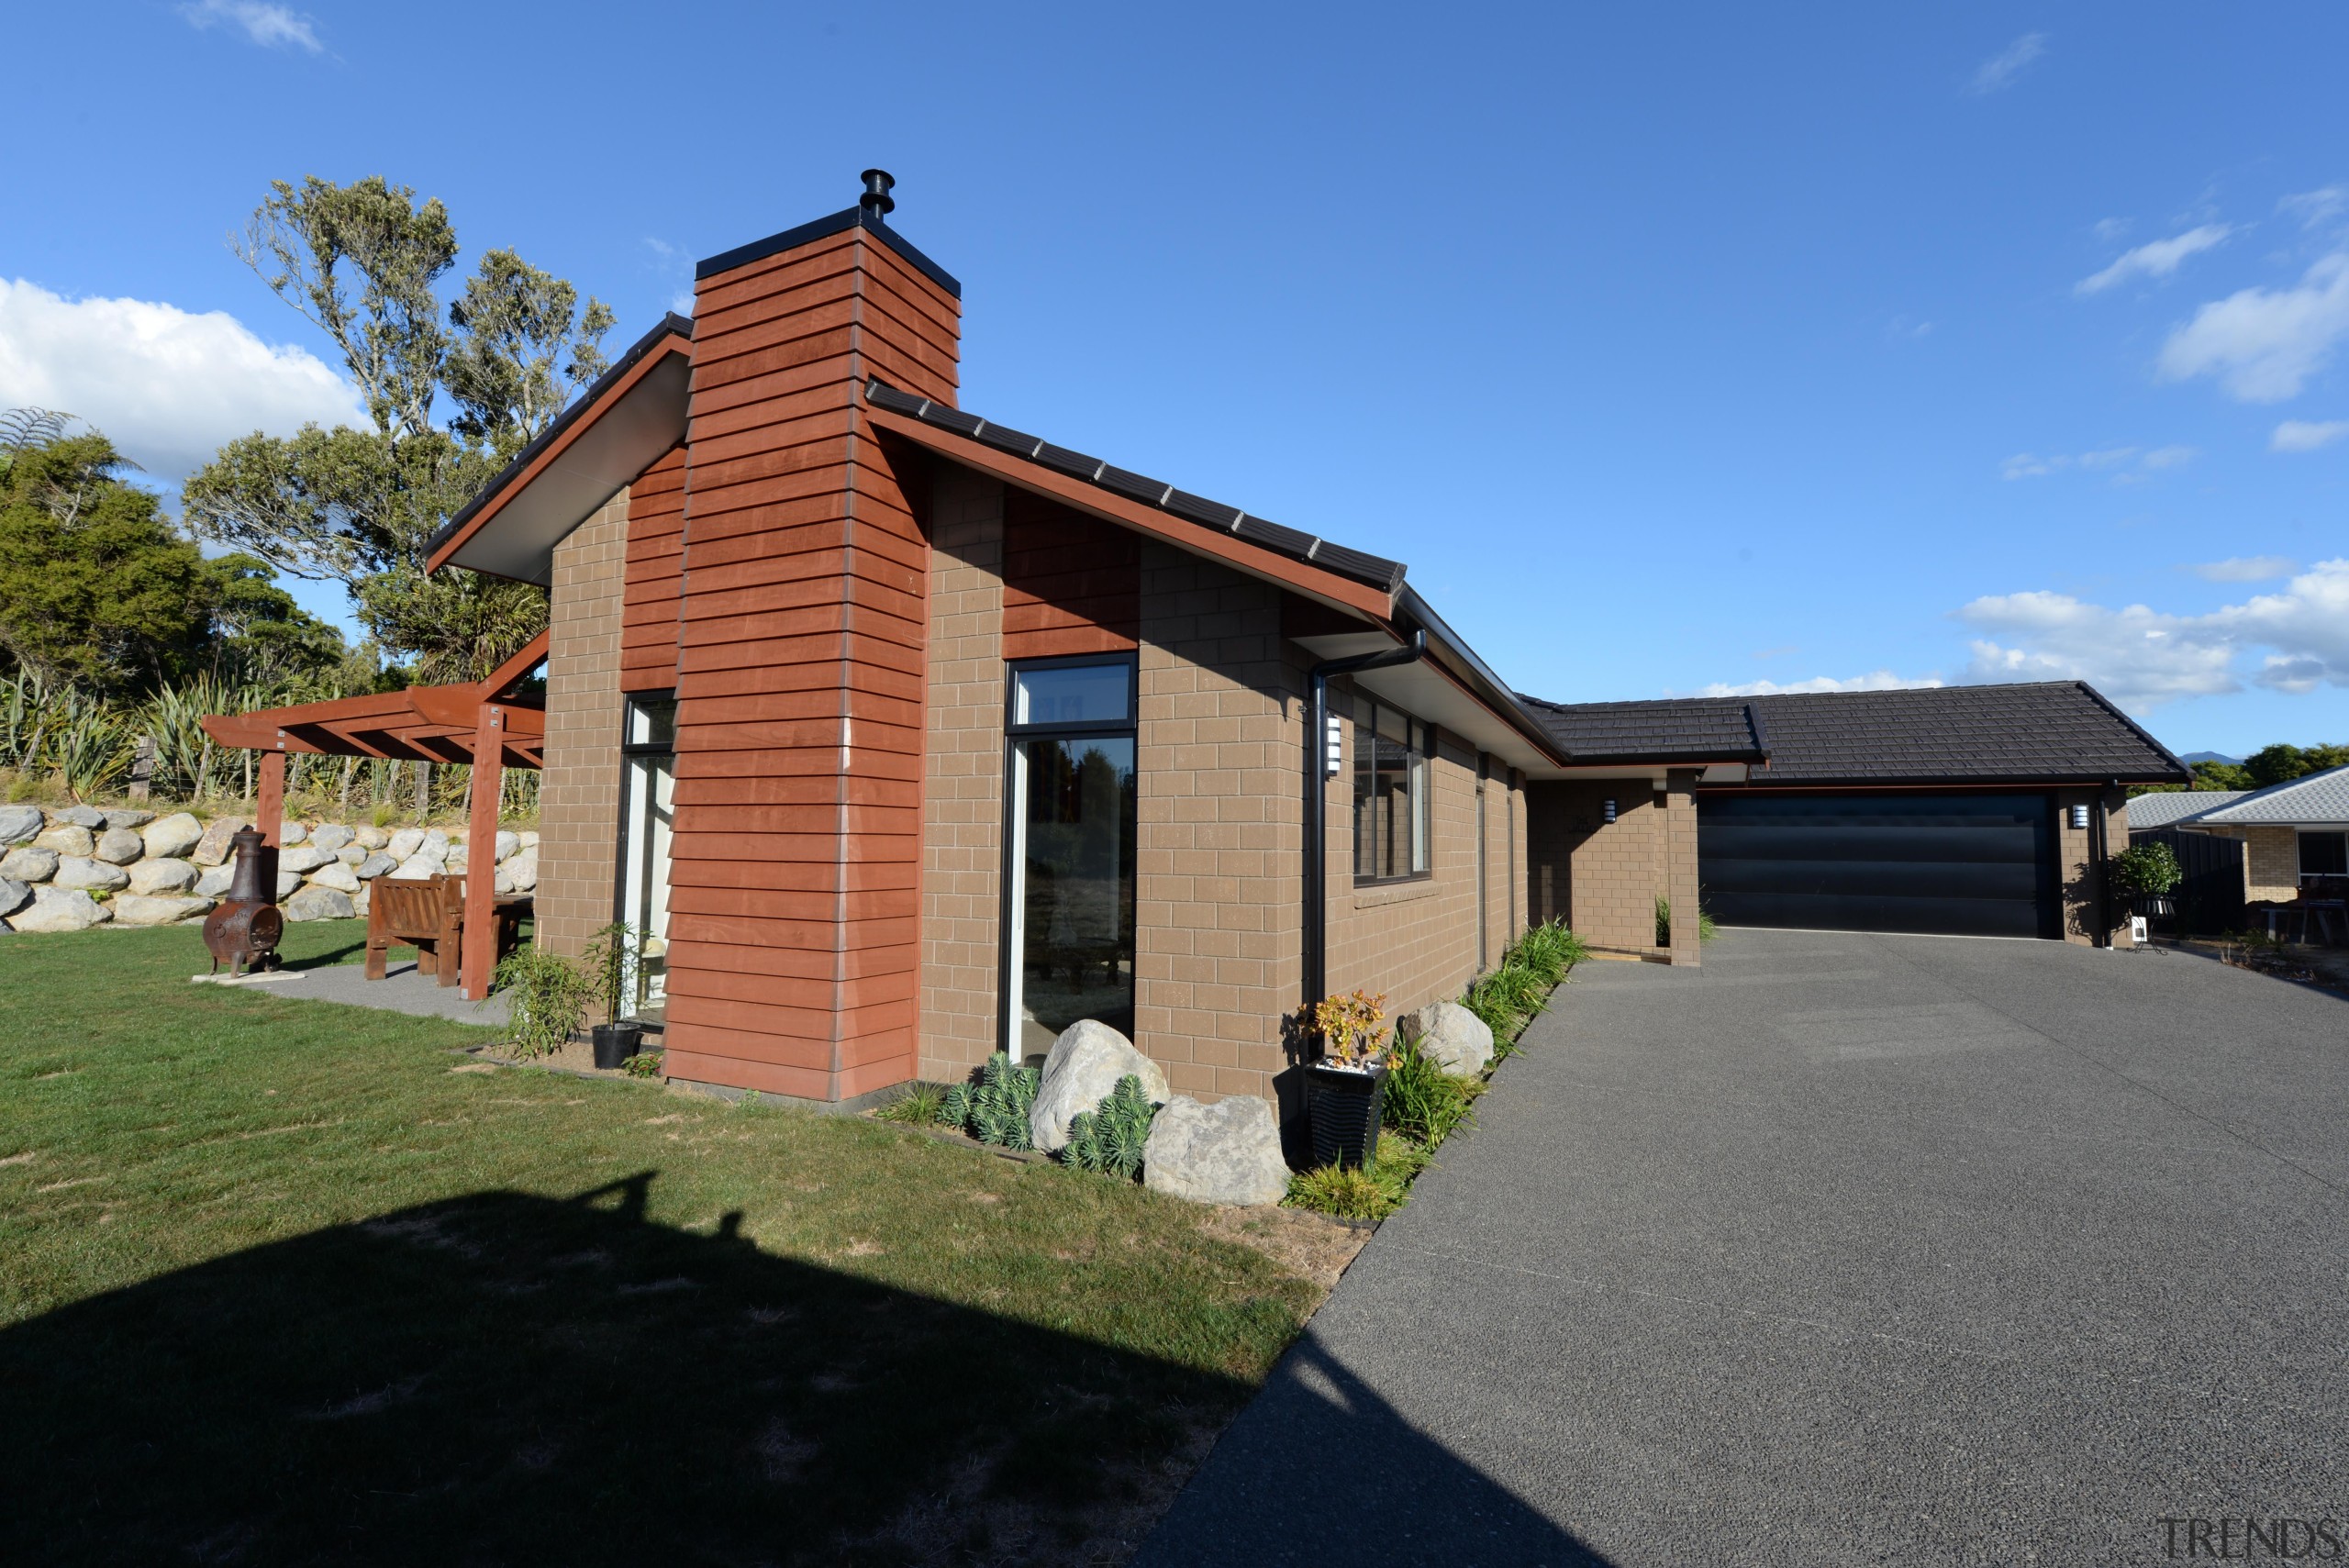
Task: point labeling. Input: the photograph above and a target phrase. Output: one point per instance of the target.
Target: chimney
(794, 955)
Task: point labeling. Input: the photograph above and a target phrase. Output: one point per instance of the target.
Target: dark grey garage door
(1981, 865)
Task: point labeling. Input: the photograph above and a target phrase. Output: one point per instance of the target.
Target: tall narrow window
(1068, 949)
(1391, 805)
(1484, 898)
(648, 806)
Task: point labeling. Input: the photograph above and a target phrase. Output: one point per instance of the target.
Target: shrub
(547, 996)
(1423, 1102)
(1361, 1192)
(644, 1065)
(1350, 1027)
(995, 1109)
(1109, 1138)
(2146, 869)
(1707, 929)
(919, 1106)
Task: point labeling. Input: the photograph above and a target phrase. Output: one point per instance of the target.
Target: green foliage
(1423, 1101)
(2281, 764)
(644, 1065)
(1514, 993)
(610, 961)
(920, 1106)
(1109, 1138)
(549, 996)
(2142, 868)
(1549, 951)
(995, 1109)
(1706, 928)
(359, 505)
(1361, 1192)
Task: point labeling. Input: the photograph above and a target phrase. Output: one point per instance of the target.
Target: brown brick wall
(1600, 878)
(1221, 741)
(963, 790)
(2076, 876)
(2271, 862)
(580, 792)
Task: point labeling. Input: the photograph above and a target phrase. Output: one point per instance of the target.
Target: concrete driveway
(1842, 1249)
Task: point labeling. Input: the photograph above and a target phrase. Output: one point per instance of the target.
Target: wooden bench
(428, 915)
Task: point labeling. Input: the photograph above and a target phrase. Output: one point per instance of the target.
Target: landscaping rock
(304, 857)
(436, 842)
(333, 836)
(521, 874)
(19, 823)
(125, 817)
(118, 845)
(81, 871)
(172, 836)
(417, 868)
(140, 909)
(404, 844)
(1082, 1066)
(13, 894)
(509, 845)
(287, 881)
(374, 866)
(1226, 1152)
(359, 900)
(319, 904)
(1452, 1035)
(290, 834)
(337, 875)
(162, 876)
(29, 863)
(59, 909)
(213, 881)
(530, 837)
(213, 848)
(350, 855)
(68, 839)
(79, 816)
(371, 838)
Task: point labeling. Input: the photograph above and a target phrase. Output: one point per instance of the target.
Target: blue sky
(1673, 349)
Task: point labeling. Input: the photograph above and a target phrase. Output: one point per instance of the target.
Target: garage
(1976, 865)
(1972, 811)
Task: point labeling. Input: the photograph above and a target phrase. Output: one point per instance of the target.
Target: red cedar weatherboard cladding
(795, 888)
(1070, 584)
(656, 559)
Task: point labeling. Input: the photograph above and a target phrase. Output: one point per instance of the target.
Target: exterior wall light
(1334, 747)
(2080, 817)
(1608, 810)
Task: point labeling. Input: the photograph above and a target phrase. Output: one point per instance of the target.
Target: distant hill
(2190, 758)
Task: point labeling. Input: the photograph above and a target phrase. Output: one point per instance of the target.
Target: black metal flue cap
(877, 199)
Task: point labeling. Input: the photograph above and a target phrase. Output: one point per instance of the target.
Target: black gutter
(1315, 947)
(1496, 694)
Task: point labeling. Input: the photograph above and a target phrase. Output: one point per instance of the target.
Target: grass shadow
(507, 1378)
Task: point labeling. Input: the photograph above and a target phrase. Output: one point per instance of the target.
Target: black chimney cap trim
(823, 228)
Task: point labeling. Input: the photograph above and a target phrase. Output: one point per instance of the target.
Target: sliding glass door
(1068, 950)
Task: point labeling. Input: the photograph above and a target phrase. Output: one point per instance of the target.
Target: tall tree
(360, 506)
(98, 590)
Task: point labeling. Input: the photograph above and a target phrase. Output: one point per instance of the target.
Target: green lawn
(286, 1282)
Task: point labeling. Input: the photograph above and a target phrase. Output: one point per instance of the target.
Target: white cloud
(2155, 259)
(2126, 464)
(2307, 435)
(167, 386)
(271, 26)
(2265, 344)
(1876, 681)
(2111, 228)
(2246, 569)
(2001, 68)
(2143, 658)
(2315, 209)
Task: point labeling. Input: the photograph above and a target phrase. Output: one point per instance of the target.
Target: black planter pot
(1345, 1105)
(2155, 905)
(615, 1043)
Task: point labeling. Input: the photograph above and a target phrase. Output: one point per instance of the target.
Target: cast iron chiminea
(243, 933)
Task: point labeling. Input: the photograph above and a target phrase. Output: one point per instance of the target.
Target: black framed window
(1391, 806)
(2324, 854)
(648, 813)
(1070, 807)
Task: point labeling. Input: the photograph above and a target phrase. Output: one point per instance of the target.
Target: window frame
(1013, 734)
(2300, 850)
(624, 839)
(1420, 744)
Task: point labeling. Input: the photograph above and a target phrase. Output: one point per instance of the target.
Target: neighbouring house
(913, 737)
(2212, 896)
(2291, 833)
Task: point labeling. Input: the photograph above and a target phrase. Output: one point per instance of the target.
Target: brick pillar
(1680, 867)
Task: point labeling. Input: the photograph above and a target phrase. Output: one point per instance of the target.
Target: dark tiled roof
(1374, 570)
(2044, 732)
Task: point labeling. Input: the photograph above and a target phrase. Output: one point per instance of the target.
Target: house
(913, 737)
(2291, 833)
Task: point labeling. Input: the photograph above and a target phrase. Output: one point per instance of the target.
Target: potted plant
(2145, 875)
(546, 996)
(1346, 1089)
(611, 958)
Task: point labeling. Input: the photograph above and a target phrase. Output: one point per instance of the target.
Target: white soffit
(601, 460)
(1422, 691)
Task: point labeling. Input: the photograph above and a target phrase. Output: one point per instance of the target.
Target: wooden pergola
(481, 723)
